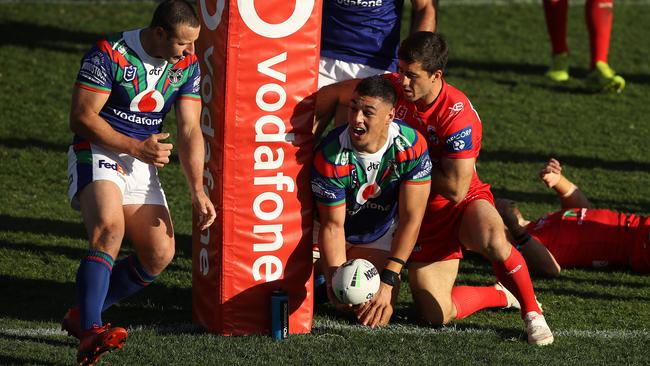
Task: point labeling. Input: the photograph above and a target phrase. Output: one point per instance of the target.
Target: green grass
(498, 57)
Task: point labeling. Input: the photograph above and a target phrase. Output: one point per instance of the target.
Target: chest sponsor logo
(130, 72)
(372, 166)
(156, 71)
(148, 101)
(141, 120)
(175, 75)
(361, 3)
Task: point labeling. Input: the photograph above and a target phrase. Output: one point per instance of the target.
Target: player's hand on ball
(335, 301)
(152, 151)
(377, 311)
(551, 173)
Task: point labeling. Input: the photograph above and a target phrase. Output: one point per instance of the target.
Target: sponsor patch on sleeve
(93, 69)
(459, 141)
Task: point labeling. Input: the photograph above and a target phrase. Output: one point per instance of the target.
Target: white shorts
(137, 181)
(331, 71)
(384, 243)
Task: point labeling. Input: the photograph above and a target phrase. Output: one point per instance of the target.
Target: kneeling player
(362, 170)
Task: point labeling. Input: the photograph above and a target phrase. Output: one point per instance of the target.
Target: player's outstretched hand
(551, 173)
(152, 151)
(377, 312)
(204, 208)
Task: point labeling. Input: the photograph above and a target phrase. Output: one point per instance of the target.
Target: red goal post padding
(259, 63)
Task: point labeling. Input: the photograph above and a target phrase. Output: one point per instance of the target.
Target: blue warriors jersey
(369, 192)
(141, 88)
(362, 31)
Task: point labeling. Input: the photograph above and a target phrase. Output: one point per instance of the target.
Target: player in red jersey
(578, 235)
(460, 212)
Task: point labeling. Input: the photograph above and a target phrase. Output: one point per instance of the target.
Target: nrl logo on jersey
(130, 72)
(175, 75)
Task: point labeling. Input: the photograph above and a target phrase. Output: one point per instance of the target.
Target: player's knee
(495, 247)
(106, 236)
(158, 258)
(436, 317)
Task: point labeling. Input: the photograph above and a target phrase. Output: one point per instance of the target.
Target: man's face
(416, 82)
(175, 45)
(368, 120)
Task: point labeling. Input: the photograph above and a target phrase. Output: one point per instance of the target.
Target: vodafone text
(270, 135)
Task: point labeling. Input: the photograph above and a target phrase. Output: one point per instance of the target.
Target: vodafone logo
(212, 21)
(368, 191)
(301, 13)
(148, 101)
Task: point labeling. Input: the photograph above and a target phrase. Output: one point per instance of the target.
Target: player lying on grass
(577, 236)
(460, 211)
(371, 178)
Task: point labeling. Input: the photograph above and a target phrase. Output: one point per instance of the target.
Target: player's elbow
(75, 123)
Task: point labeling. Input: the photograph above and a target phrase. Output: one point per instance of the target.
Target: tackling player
(126, 85)
(578, 235)
(460, 210)
(371, 179)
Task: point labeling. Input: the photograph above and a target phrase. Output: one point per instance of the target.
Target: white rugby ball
(355, 281)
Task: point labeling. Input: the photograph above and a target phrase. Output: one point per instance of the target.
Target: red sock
(600, 16)
(555, 13)
(513, 274)
(470, 299)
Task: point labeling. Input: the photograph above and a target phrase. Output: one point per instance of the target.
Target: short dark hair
(171, 13)
(379, 87)
(428, 48)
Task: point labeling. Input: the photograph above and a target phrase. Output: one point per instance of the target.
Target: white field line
(321, 329)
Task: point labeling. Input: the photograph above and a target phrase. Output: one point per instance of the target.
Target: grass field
(498, 56)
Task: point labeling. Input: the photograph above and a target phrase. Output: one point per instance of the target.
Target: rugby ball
(355, 281)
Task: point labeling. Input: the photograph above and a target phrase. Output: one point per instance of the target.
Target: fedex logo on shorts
(460, 141)
(114, 166)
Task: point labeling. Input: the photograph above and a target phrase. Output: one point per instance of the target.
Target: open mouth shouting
(358, 131)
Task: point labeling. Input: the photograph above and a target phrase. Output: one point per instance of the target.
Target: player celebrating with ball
(460, 211)
(371, 179)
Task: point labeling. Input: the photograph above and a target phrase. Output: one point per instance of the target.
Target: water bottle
(279, 315)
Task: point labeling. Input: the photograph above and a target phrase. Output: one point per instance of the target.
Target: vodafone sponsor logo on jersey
(361, 3)
(141, 120)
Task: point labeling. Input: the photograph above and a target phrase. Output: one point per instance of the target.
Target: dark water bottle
(279, 315)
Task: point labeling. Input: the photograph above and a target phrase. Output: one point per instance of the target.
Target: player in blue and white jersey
(371, 180)
(125, 86)
(359, 38)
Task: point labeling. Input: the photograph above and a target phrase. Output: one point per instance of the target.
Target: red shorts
(640, 253)
(438, 239)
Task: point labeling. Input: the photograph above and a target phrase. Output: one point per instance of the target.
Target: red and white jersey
(584, 238)
(451, 125)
